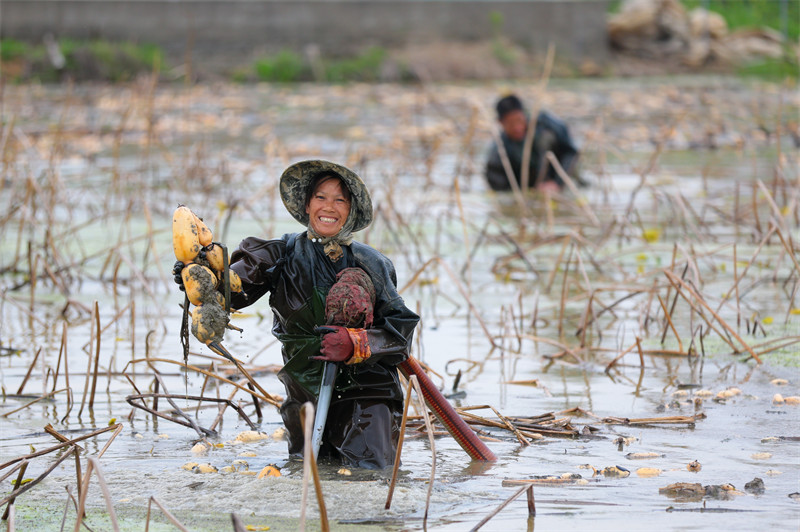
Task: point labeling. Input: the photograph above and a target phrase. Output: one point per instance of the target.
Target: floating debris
(761, 456)
(722, 491)
(646, 472)
(704, 393)
(200, 448)
(616, 471)
(643, 456)
(727, 394)
(694, 466)
(567, 478)
(204, 468)
(248, 454)
(251, 436)
(755, 486)
(779, 382)
(684, 491)
(620, 441)
(773, 472)
(269, 471)
(188, 466)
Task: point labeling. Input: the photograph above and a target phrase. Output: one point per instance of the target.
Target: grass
(84, 60)
(287, 67)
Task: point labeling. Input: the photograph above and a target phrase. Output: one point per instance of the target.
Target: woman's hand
(336, 344)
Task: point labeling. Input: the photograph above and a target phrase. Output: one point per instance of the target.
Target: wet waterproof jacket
(551, 134)
(297, 275)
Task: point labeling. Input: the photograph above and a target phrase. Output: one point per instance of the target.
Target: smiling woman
(298, 270)
(328, 205)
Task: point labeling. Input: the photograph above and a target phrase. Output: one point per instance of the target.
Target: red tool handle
(446, 414)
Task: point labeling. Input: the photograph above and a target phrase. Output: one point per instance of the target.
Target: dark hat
(508, 104)
(297, 179)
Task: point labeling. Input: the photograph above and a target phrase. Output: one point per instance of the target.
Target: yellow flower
(651, 235)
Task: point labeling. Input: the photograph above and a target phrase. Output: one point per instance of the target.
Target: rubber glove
(336, 344)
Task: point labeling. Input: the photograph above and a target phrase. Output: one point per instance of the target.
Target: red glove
(340, 344)
(336, 344)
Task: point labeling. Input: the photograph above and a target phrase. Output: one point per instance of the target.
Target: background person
(551, 134)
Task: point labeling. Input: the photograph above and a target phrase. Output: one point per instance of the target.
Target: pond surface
(531, 299)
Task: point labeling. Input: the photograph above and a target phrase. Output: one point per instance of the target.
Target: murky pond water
(531, 300)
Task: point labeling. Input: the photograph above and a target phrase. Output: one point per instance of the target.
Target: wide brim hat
(297, 178)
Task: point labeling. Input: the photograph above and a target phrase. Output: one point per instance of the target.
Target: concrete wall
(576, 27)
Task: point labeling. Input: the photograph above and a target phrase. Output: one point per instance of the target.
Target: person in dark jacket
(551, 134)
(298, 270)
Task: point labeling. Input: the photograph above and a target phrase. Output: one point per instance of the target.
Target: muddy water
(107, 166)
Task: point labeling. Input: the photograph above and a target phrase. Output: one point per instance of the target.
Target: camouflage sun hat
(297, 178)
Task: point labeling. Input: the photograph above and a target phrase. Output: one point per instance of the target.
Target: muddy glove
(340, 344)
(176, 272)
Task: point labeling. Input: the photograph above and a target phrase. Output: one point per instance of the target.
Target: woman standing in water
(298, 270)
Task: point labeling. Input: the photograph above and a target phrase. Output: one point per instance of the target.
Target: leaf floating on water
(761, 456)
(643, 456)
(257, 528)
(779, 382)
(112, 421)
(24, 481)
(647, 472)
(770, 439)
(247, 454)
(767, 320)
(774, 472)
(694, 467)
(704, 393)
(344, 471)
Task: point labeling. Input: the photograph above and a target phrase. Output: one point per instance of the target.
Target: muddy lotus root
(351, 299)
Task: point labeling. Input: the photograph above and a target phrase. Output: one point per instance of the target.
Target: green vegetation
(782, 16)
(83, 60)
(287, 66)
(364, 67)
(284, 67)
(779, 15)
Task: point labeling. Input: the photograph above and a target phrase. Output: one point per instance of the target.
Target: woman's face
(328, 208)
